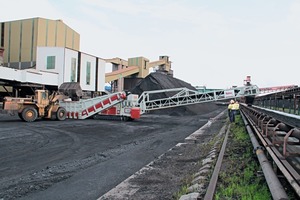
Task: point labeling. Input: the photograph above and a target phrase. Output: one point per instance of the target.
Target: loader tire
(61, 114)
(29, 114)
(20, 115)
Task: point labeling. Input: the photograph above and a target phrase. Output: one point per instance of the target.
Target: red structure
(276, 88)
(247, 81)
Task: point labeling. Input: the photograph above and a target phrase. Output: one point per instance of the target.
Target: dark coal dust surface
(83, 159)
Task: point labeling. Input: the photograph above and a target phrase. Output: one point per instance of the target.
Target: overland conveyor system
(184, 96)
(85, 108)
(132, 106)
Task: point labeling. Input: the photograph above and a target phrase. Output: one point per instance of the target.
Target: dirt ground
(166, 176)
(84, 159)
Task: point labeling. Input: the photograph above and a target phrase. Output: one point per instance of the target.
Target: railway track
(275, 137)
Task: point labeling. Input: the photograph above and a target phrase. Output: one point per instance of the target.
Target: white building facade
(72, 66)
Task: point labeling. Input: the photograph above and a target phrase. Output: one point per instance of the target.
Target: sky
(212, 43)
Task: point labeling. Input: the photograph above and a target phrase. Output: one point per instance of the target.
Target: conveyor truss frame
(185, 96)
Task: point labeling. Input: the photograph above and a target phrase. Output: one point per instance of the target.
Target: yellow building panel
(0, 35)
(141, 62)
(15, 31)
(35, 36)
(6, 42)
(51, 33)
(69, 38)
(60, 29)
(41, 32)
(76, 39)
(23, 36)
(26, 46)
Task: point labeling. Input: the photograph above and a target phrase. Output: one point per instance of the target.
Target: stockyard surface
(85, 159)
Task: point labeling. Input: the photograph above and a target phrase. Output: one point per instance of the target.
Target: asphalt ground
(84, 159)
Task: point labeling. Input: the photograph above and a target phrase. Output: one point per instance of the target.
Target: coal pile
(159, 81)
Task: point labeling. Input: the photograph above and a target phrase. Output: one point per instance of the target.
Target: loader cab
(42, 98)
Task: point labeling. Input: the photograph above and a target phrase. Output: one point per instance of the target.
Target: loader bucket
(71, 89)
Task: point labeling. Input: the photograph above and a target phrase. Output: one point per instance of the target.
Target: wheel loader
(41, 105)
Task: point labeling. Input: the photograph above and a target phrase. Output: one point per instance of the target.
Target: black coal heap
(160, 81)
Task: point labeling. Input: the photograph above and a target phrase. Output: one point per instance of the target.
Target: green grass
(186, 182)
(238, 179)
(183, 190)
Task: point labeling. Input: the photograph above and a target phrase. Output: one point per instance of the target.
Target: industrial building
(128, 73)
(20, 40)
(44, 53)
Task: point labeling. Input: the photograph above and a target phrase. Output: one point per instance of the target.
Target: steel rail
(209, 195)
(275, 187)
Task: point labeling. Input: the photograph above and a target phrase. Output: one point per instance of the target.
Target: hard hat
(231, 101)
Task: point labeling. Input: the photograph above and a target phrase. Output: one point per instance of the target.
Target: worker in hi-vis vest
(230, 111)
(234, 110)
(236, 107)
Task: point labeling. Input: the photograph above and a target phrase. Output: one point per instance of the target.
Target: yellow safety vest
(235, 106)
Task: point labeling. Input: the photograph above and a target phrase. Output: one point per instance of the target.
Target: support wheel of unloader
(61, 114)
(126, 118)
(29, 114)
